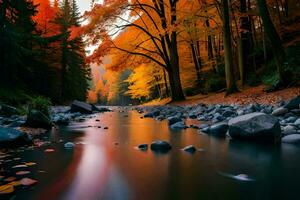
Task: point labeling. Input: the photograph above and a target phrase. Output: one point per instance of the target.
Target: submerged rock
(255, 126)
(143, 147)
(190, 149)
(69, 145)
(160, 146)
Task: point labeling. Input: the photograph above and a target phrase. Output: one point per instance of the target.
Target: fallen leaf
(6, 189)
(9, 179)
(28, 181)
(22, 172)
(19, 166)
(14, 183)
(16, 158)
(30, 163)
(49, 150)
(41, 171)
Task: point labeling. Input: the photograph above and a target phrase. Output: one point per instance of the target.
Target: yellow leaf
(30, 163)
(6, 189)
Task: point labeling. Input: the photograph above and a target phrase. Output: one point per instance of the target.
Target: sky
(85, 4)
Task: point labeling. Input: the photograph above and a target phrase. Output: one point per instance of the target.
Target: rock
(82, 107)
(160, 146)
(61, 119)
(255, 126)
(69, 145)
(280, 111)
(152, 114)
(100, 109)
(203, 126)
(219, 129)
(143, 147)
(296, 112)
(10, 137)
(228, 113)
(289, 130)
(290, 119)
(190, 149)
(291, 139)
(178, 125)
(297, 122)
(205, 130)
(36, 119)
(8, 111)
(173, 120)
(293, 103)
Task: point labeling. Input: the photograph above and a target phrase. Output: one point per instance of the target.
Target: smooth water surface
(106, 165)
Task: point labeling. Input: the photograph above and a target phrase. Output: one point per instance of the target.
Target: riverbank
(245, 96)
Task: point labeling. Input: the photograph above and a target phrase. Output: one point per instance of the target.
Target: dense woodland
(146, 49)
(38, 54)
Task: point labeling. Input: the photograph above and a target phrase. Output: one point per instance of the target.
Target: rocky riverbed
(272, 123)
(227, 124)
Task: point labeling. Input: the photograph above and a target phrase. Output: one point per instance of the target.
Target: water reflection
(107, 166)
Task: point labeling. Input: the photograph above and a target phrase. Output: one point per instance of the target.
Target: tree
(158, 21)
(230, 81)
(275, 40)
(16, 33)
(74, 73)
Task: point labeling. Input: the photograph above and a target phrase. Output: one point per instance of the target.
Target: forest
(122, 52)
(149, 99)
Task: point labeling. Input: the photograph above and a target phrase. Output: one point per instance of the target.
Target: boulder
(160, 146)
(293, 103)
(81, 107)
(280, 111)
(291, 139)
(10, 137)
(219, 129)
(36, 119)
(8, 111)
(190, 149)
(255, 126)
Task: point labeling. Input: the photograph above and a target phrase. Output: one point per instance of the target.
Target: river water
(106, 165)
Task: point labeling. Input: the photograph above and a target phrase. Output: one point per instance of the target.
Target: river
(106, 165)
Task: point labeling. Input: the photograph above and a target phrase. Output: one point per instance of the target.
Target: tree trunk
(230, 81)
(175, 84)
(166, 83)
(196, 62)
(273, 36)
(245, 44)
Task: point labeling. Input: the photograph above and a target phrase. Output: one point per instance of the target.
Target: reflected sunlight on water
(106, 165)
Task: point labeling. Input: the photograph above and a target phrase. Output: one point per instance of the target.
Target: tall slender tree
(230, 80)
